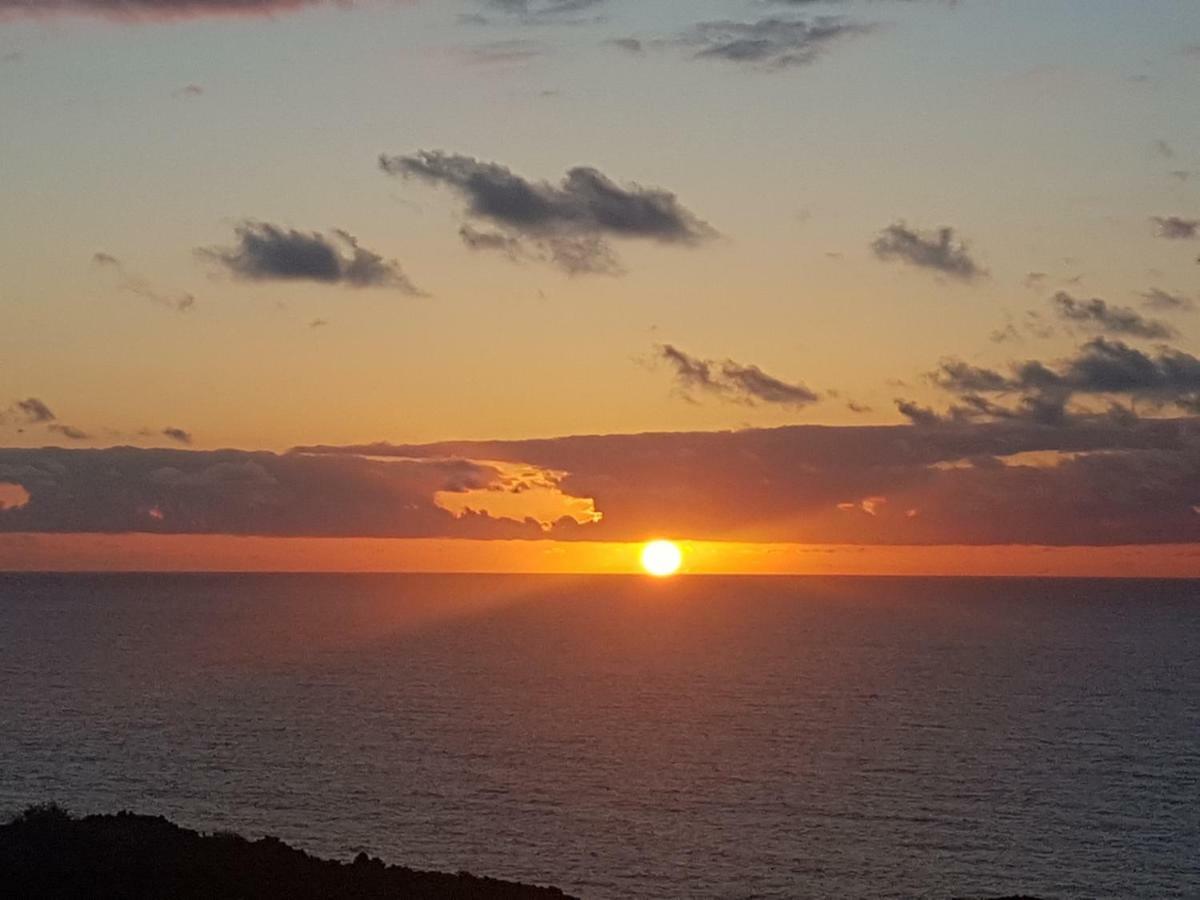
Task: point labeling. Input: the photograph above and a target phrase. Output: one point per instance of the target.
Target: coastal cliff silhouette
(47, 853)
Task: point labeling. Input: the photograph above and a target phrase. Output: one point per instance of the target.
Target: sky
(503, 283)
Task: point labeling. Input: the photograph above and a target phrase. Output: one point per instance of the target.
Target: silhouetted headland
(46, 853)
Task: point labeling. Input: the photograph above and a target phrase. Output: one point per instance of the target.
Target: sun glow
(661, 558)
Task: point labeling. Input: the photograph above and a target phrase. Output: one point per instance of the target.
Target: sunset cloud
(265, 252)
(1156, 298)
(141, 287)
(541, 12)
(772, 43)
(70, 432)
(178, 435)
(940, 250)
(34, 410)
(1049, 393)
(1096, 313)
(568, 224)
(1102, 482)
(733, 381)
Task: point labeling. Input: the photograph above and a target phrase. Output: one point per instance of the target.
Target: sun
(661, 558)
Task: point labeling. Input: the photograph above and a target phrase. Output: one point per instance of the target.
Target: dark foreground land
(45, 853)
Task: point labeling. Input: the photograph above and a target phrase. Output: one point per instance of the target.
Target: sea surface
(621, 737)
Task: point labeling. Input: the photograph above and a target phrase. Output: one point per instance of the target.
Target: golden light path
(661, 558)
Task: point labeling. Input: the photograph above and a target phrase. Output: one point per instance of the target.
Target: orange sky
(247, 288)
(144, 552)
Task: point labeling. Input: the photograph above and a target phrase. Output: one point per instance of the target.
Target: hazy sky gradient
(1046, 134)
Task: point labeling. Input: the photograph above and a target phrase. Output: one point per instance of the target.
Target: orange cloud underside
(145, 552)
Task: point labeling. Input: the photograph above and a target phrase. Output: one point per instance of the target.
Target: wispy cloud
(732, 381)
(178, 435)
(137, 284)
(772, 43)
(539, 12)
(266, 252)
(1175, 228)
(568, 224)
(1097, 313)
(141, 10)
(939, 251)
(1156, 298)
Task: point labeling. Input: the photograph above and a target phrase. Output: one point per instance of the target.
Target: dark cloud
(178, 435)
(1096, 313)
(158, 9)
(1156, 298)
(496, 241)
(240, 492)
(1065, 392)
(733, 381)
(917, 414)
(567, 224)
(1103, 480)
(1174, 228)
(938, 250)
(34, 410)
(136, 284)
(267, 252)
(773, 43)
(70, 432)
(540, 12)
(1099, 482)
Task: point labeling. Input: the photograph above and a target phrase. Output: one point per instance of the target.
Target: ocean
(622, 737)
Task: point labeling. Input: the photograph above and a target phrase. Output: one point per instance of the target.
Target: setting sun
(661, 558)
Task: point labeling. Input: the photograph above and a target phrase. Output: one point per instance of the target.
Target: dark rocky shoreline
(46, 853)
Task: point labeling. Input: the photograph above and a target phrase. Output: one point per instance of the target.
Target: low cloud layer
(733, 382)
(34, 413)
(568, 224)
(239, 492)
(266, 252)
(939, 251)
(34, 410)
(178, 435)
(1099, 481)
